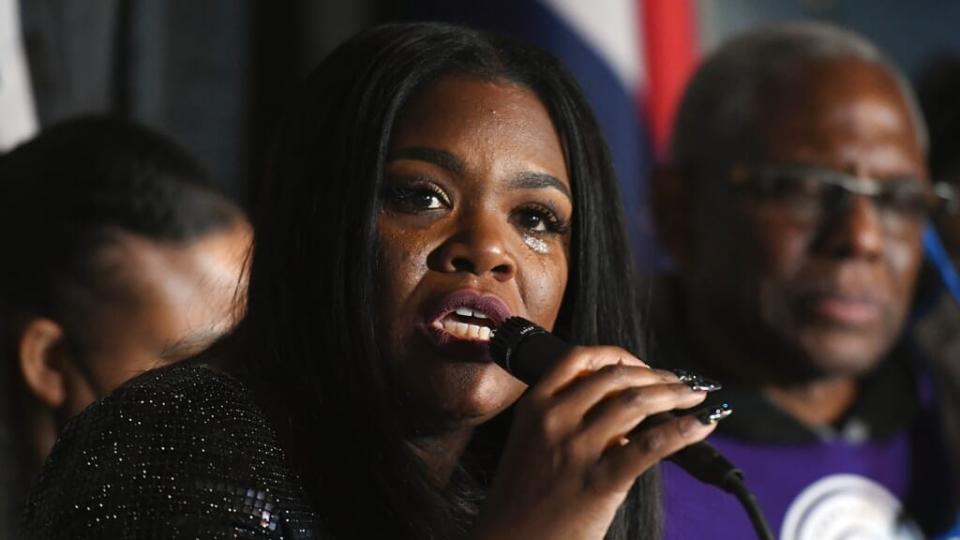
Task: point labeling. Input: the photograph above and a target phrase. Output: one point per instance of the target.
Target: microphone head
(504, 342)
(526, 350)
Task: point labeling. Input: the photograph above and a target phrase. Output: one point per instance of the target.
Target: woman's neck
(42, 427)
(441, 453)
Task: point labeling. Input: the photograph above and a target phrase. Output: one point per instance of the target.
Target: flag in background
(18, 117)
(631, 57)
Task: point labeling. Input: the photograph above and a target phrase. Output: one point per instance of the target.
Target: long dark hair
(308, 339)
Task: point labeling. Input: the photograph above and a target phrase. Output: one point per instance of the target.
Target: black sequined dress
(184, 452)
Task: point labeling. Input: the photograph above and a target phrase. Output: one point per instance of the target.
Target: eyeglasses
(810, 195)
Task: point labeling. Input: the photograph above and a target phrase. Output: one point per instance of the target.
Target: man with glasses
(793, 205)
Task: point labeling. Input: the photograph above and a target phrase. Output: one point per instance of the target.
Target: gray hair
(717, 117)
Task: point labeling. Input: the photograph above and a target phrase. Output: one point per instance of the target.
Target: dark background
(215, 74)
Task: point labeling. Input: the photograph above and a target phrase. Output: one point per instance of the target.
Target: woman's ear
(671, 212)
(41, 361)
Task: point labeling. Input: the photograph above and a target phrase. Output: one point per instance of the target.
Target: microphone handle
(527, 352)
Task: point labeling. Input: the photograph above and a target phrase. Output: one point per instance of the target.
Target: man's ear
(41, 361)
(671, 212)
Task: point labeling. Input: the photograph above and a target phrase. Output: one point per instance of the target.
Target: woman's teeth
(463, 330)
(467, 312)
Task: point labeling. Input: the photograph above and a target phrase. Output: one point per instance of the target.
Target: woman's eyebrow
(539, 180)
(441, 158)
(452, 163)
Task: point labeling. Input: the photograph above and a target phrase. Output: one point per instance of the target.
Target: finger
(621, 465)
(580, 361)
(585, 392)
(615, 417)
(667, 375)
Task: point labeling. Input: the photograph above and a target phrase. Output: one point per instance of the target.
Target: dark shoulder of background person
(181, 452)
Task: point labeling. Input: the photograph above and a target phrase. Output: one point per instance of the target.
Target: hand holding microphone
(573, 452)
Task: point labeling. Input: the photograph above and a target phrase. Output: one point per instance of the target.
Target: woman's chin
(477, 393)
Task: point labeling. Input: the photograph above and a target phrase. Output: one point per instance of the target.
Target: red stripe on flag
(669, 34)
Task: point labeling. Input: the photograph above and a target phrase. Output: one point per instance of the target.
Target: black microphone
(528, 351)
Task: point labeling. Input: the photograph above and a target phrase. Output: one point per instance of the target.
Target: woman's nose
(479, 246)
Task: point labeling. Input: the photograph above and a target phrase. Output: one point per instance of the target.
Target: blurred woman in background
(119, 257)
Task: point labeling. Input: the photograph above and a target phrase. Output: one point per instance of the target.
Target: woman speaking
(429, 182)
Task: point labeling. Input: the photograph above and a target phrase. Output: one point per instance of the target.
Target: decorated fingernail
(713, 413)
(697, 382)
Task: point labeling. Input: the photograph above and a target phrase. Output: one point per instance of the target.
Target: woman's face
(181, 299)
(474, 228)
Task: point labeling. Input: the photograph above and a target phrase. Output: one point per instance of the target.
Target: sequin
(180, 453)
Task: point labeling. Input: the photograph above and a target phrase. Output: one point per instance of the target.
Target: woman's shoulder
(192, 404)
(180, 452)
(190, 389)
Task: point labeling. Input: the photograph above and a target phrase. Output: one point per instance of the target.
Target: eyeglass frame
(942, 196)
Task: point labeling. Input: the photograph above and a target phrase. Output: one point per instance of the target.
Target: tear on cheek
(536, 244)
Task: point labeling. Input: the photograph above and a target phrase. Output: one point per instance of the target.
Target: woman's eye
(416, 198)
(425, 200)
(539, 220)
(532, 221)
